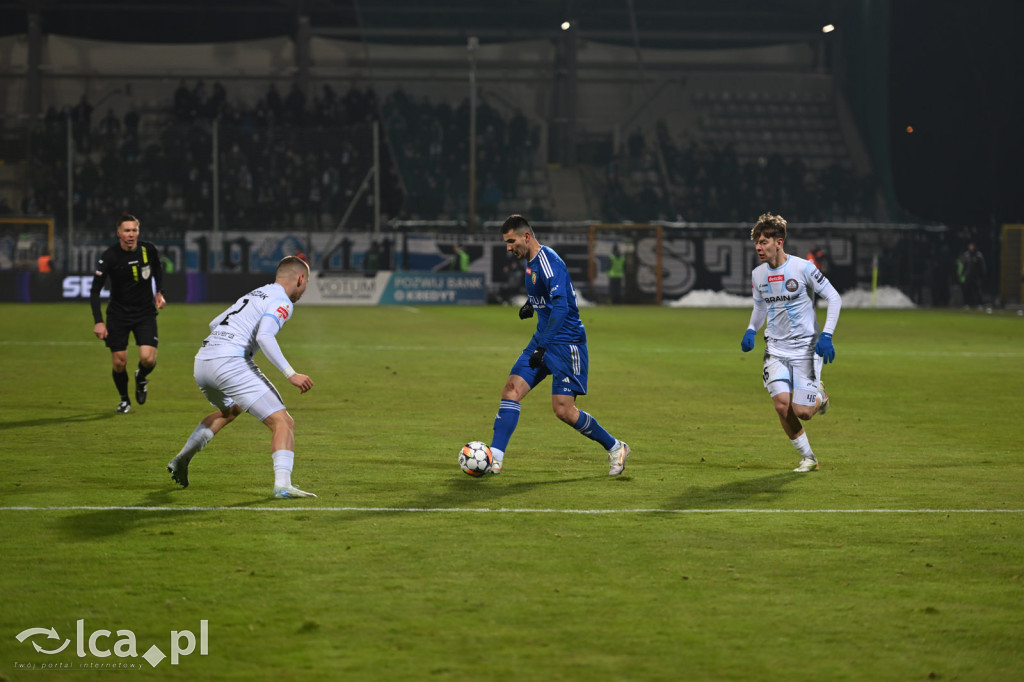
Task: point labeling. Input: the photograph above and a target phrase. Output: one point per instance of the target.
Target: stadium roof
(676, 23)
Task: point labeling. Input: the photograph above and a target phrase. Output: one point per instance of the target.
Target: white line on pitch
(489, 349)
(506, 510)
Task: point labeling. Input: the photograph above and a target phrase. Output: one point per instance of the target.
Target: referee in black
(133, 267)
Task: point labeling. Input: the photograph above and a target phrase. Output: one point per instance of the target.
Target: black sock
(121, 382)
(144, 372)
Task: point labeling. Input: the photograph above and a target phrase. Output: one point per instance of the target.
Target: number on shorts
(245, 302)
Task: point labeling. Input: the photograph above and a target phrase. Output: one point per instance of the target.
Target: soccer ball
(475, 458)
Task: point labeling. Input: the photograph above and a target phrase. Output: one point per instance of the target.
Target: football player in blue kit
(557, 349)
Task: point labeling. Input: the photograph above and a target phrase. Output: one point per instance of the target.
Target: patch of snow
(885, 297)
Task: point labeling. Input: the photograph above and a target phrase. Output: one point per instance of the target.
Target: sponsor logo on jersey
(776, 278)
(529, 271)
(792, 285)
(282, 313)
(777, 299)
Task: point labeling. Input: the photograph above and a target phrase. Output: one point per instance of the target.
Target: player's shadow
(471, 493)
(735, 493)
(94, 524)
(61, 419)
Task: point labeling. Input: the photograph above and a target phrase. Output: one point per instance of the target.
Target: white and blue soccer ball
(475, 458)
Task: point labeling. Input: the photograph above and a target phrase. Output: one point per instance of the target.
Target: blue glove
(747, 344)
(825, 349)
(537, 358)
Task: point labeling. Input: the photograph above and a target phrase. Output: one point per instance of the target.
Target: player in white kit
(783, 289)
(231, 381)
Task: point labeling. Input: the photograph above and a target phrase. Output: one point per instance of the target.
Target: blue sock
(505, 423)
(589, 427)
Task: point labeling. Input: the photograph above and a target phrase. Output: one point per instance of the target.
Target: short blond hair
(769, 225)
(292, 265)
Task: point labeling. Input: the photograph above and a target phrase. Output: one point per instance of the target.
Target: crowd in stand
(291, 162)
(431, 147)
(283, 163)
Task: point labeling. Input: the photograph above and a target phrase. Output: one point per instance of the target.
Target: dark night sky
(956, 75)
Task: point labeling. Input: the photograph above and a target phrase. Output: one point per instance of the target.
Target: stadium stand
(283, 161)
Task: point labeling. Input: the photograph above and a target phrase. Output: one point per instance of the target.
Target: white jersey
(234, 332)
(784, 296)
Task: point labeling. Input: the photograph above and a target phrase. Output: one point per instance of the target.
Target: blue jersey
(553, 297)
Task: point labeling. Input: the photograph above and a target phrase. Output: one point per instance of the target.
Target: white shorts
(799, 376)
(237, 381)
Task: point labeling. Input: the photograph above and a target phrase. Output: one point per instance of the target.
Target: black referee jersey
(131, 274)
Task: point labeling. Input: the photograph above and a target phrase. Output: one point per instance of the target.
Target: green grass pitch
(708, 559)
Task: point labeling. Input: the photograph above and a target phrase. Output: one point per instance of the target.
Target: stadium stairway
(568, 194)
(12, 179)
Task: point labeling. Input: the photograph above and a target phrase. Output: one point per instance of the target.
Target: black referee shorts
(118, 329)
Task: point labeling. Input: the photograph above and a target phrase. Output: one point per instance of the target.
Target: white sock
(497, 455)
(196, 442)
(802, 446)
(283, 462)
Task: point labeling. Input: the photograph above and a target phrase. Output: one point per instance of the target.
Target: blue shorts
(568, 364)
